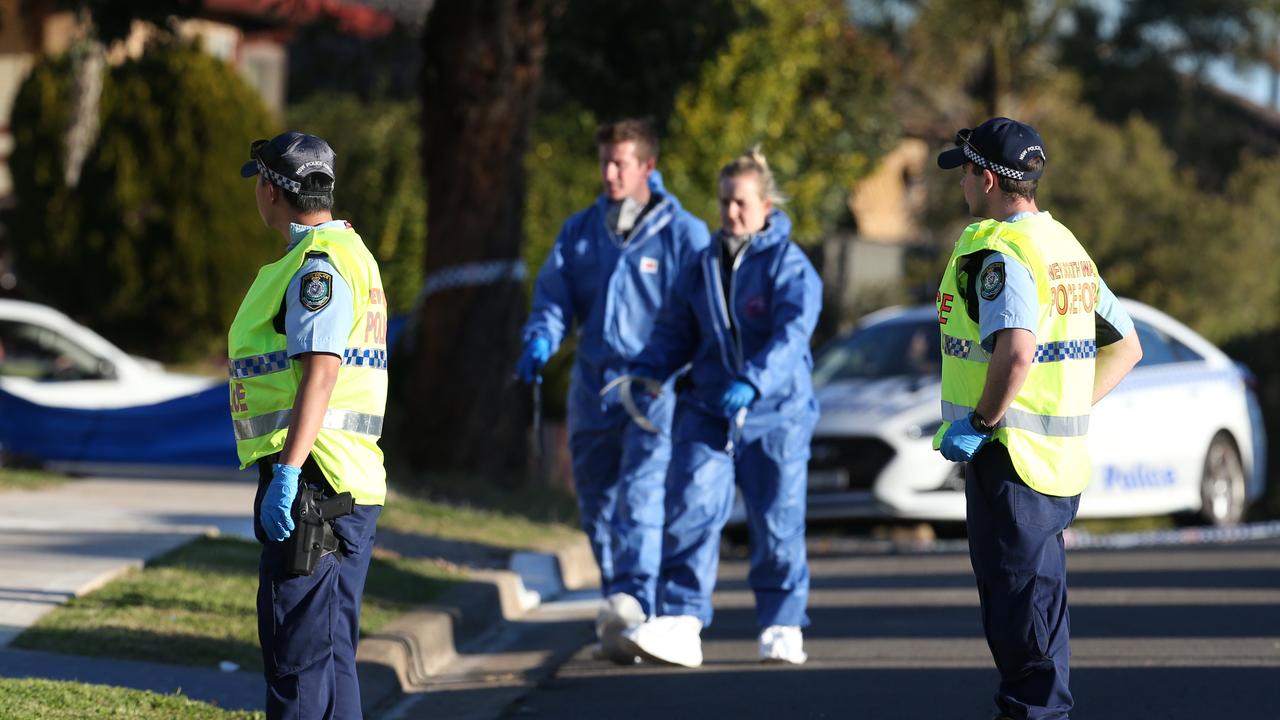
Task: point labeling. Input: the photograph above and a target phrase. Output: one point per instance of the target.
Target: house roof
(352, 18)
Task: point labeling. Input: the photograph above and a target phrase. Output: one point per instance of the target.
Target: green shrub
(158, 242)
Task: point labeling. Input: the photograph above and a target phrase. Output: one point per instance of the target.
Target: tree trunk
(90, 62)
(482, 66)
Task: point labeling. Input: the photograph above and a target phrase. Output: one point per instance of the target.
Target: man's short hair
(637, 130)
(1025, 189)
(316, 195)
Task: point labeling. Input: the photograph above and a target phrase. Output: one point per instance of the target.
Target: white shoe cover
(667, 640)
(782, 644)
(617, 613)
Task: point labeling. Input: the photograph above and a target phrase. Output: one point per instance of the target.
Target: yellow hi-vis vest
(264, 380)
(1046, 426)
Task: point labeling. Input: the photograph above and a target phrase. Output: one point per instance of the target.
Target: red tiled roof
(352, 18)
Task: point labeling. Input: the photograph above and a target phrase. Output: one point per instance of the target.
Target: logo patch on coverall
(992, 281)
(316, 290)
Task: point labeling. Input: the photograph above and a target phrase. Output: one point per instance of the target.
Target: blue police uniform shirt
(1016, 307)
(326, 328)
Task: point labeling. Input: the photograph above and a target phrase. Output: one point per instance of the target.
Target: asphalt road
(1170, 633)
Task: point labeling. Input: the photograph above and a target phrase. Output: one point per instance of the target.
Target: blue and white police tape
(1075, 539)
(472, 274)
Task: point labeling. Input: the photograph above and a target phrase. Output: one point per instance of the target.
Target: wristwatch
(980, 423)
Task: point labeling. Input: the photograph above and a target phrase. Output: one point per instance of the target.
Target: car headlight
(916, 432)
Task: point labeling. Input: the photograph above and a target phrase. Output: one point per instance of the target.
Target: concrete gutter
(417, 646)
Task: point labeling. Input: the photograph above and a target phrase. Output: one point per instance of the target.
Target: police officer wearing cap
(308, 390)
(1031, 339)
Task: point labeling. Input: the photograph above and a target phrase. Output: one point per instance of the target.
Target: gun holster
(313, 535)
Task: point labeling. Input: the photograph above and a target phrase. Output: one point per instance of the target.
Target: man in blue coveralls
(308, 389)
(1032, 338)
(611, 269)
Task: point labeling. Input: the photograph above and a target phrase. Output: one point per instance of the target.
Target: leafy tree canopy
(807, 86)
(793, 76)
(1154, 232)
(632, 57)
(380, 187)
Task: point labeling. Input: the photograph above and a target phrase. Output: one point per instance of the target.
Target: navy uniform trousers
(1015, 545)
(309, 625)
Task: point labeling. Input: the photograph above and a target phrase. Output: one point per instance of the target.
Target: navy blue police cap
(287, 158)
(1003, 146)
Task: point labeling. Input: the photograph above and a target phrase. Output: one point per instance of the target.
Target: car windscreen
(882, 350)
(37, 352)
(1158, 348)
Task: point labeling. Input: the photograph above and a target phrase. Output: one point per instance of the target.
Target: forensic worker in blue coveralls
(610, 272)
(308, 389)
(743, 316)
(1031, 339)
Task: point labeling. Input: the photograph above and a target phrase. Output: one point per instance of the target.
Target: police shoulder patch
(992, 281)
(316, 290)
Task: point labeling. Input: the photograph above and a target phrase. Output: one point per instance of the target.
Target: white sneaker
(667, 640)
(782, 644)
(617, 613)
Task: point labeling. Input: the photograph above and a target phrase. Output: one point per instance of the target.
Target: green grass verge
(196, 606)
(54, 700)
(452, 521)
(20, 479)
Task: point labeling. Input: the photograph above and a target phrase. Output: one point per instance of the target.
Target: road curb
(578, 569)
(406, 654)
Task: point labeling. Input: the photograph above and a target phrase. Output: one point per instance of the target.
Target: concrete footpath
(69, 540)
(63, 542)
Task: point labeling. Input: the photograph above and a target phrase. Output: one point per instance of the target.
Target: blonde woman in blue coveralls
(742, 316)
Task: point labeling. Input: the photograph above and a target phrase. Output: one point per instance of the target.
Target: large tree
(482, 65)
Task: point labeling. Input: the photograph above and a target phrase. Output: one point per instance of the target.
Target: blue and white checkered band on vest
(375, 359)
(1065, 350)
(259, 365)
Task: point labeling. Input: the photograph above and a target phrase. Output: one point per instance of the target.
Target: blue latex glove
(739, 395)
(961, 441)
(536, 353)
(276, 514)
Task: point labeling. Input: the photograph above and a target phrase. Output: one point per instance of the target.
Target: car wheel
(1222, 487)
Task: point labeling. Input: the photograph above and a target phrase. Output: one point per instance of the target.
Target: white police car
(1181, 434)
(49, 359)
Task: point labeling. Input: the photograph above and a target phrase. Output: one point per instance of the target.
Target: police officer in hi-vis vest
(1031, 339)
(308, 389)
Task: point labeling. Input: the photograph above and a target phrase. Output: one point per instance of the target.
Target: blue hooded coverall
(614, 287)
(758, 330)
